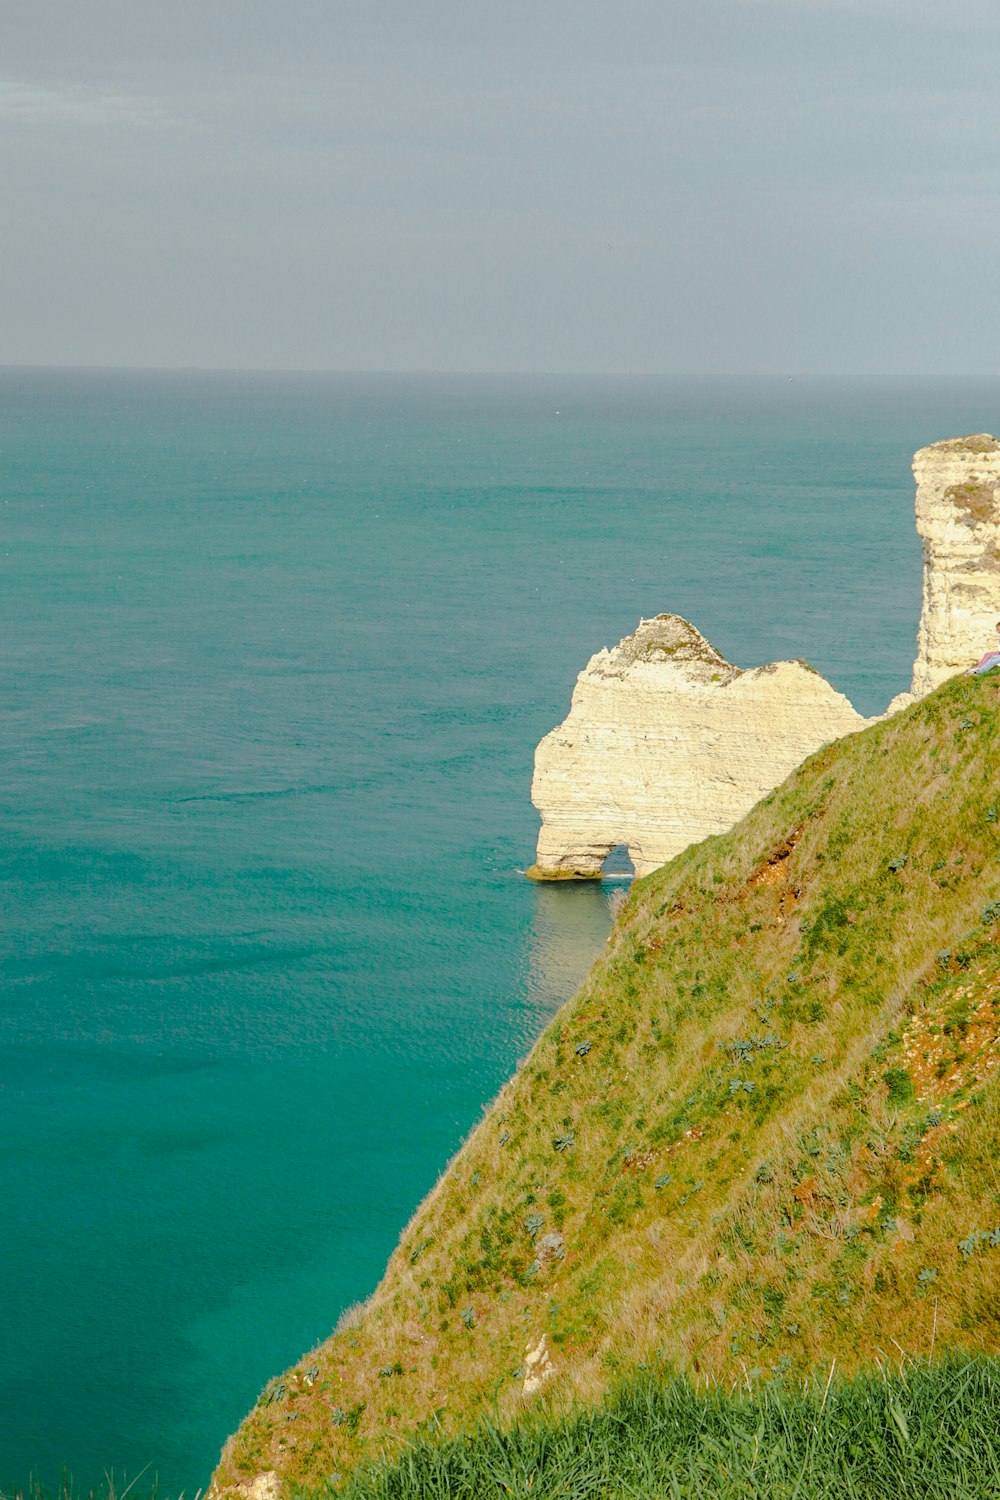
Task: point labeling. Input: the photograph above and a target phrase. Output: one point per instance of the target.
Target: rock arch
(618, 862)
(667, 742)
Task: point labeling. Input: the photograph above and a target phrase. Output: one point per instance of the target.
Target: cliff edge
(958, 518)
(760, 1139)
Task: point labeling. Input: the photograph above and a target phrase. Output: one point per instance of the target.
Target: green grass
(141, 1488)
(927, 1432)
(762, 1131)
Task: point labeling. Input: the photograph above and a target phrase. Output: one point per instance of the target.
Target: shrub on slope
(760, 1137)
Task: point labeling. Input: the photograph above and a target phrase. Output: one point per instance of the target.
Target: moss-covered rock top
(977, 442)
(674, 639)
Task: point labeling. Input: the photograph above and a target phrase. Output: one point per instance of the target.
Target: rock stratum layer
(666, 742)
(958, 518)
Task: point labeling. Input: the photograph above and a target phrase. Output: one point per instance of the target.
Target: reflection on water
(570, 925)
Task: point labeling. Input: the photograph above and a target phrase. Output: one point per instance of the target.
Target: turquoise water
(276, 652)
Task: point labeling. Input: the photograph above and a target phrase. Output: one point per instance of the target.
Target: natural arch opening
(617, 864)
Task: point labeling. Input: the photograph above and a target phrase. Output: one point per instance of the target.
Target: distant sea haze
(276, 654)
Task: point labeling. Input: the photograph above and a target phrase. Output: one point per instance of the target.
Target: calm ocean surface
(276, 653)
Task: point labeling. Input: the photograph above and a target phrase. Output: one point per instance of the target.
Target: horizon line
(449, 373)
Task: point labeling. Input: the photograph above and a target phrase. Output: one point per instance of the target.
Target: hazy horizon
(832, 377)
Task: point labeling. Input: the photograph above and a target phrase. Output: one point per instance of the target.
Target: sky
(643, 186)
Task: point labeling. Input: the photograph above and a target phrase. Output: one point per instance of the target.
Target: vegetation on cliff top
(761, 1138)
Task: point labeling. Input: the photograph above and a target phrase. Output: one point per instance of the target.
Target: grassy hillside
(762, 1137)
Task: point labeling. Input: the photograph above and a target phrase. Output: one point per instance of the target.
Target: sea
(276, 650)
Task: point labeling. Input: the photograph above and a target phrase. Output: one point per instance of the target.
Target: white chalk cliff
(666, 742)
(958, 518)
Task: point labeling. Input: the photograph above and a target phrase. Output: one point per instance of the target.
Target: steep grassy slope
(762, 1137)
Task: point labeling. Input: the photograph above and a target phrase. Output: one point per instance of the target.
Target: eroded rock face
(958, 518)
(666, 742)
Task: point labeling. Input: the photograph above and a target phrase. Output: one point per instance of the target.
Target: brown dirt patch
(959, 1049)
(774, 869)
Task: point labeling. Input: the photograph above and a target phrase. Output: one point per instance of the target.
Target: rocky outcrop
(666, 742)
(958, 518)
(538, 1367)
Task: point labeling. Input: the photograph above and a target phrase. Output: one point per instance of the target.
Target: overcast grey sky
(569, 185)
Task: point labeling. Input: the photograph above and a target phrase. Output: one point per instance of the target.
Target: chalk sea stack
(666, 742)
